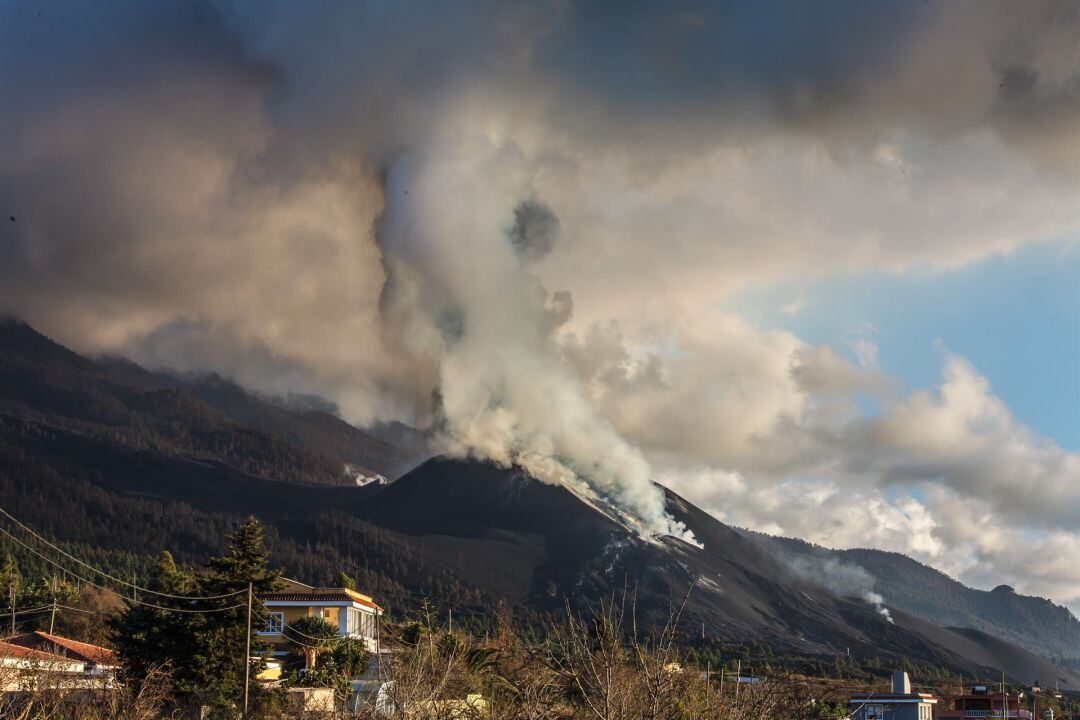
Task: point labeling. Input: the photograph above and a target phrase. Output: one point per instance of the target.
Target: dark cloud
(327, 199)
(535, 230)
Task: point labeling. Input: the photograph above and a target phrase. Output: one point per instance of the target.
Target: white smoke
(460, 230)
(654, 201)
(878, 602)
(841, 578)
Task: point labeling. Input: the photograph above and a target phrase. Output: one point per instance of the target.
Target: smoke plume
(504, 394)
(878, 602)
(841, 578)
(508, 223)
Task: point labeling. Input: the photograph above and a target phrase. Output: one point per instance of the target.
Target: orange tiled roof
(86, 652)
(18, 652)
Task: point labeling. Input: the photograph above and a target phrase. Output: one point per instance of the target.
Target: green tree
(46, 591)
(149, 637)
(330, 660)
(311, 635)
(10, 580)
(201, 640)
(214, 675)
(345, 581)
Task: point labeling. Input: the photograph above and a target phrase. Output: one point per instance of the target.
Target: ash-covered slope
(1031, 622)
(539, 546)
(986, 650)
(46, 388)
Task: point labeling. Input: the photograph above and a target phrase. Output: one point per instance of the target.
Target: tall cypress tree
(218, 664)
(204, 647)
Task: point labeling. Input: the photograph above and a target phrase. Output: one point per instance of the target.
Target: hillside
(46, 389)
(918, 589)
(108, 456)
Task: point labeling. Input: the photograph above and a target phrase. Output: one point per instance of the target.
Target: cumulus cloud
(518, 224)
(947, 476)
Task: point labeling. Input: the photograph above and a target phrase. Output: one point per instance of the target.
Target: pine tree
(215, 675)
(45, 591)
(148, 637)
(345, 581)
(204, 649)
(10, 580)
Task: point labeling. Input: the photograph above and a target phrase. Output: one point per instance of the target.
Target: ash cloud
(538, 220)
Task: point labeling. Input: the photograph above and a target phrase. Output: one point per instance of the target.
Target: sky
(1015, 317)
(813, 266)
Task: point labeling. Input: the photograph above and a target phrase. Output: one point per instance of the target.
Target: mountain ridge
(927, 592)
(109, 455)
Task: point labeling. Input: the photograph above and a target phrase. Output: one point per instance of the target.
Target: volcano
(121, 462)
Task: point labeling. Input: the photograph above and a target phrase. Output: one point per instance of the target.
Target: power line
(61, 551)
(119, 595)
(82, 610)
(27, 612)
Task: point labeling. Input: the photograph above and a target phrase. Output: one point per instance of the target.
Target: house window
(924, 711)
(874, 712)
(275, 623)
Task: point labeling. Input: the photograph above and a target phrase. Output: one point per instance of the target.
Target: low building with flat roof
(983, 702)
(900, 704)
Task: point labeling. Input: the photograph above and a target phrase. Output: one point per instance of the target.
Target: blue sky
(1015, 317)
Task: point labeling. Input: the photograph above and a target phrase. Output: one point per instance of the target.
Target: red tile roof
(55, 644)
(18, 652)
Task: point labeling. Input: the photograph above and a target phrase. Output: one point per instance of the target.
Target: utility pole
(1004, 698)
(13, 608)
(247, 653)
(738, 680)
(52, 617)
(708, 685)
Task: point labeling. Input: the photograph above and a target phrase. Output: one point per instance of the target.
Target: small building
(97, 660)
(900, 704)
(354, 614)
(24, 669)
(982, 702)
(743, 679)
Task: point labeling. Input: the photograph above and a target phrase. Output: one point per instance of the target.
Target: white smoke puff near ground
(840, 578)
(453, 230)
(878, 602)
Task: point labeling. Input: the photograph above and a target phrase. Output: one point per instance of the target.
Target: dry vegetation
(589, 668)
(38, 691)
(595, 668)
